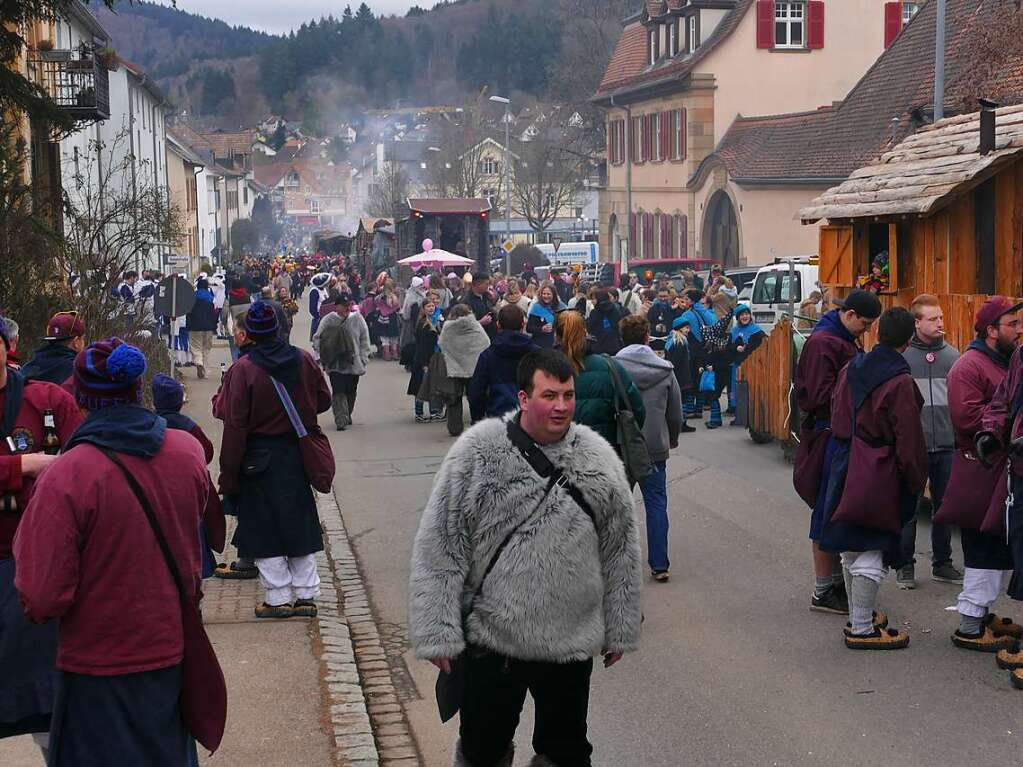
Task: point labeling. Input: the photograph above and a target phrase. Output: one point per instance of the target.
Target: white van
(771, 289)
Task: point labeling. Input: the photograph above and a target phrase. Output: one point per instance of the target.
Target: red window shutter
(765, 23)
(683, 236)
(815, 24)
(685, 134)
(632, 236)
(669, 223)
(648, 123)
(892, 22)
(648, 235)
(665, 235)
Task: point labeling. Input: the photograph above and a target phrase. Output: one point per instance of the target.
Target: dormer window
(673, 38)
(653, 37)
(908, 12)
(694, 33)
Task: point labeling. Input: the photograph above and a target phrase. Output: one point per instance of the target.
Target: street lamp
(507, 176)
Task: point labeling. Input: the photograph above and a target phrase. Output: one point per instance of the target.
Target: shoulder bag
(317, 456)
(631, 442)
(203, 690)
(451, 687)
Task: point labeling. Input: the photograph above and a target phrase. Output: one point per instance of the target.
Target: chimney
(987, 126)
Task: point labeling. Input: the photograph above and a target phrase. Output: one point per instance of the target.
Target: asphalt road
(734, 669)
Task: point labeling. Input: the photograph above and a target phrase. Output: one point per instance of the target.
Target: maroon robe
(825, 353)
(998, 417)
(974, 490)
(249, 406)
(873, 505)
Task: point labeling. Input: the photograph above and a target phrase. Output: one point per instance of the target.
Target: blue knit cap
(261, 320)
(168, 394)
(109, 372)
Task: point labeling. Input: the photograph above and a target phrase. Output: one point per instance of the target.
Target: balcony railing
(75, 80)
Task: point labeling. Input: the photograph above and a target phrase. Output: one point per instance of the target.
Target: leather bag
(317, 455)
(203, 689)
(631, 441)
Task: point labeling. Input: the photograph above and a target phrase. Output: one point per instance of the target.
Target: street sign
(556, 242)
(174, 297)
(508, 246)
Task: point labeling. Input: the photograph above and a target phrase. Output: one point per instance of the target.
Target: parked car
(772, 288)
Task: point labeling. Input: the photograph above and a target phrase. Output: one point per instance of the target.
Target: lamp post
(507, 177)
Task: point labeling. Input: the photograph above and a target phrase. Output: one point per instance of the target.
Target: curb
(370, 728)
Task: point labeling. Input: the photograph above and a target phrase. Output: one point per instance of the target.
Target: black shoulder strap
(542, 465)
(140, 496)
(12, 402)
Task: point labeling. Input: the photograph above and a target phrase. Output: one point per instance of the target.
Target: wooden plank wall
(767, 371)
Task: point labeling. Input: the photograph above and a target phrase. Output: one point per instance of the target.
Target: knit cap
(109, 372)
(168, 394)
(260, 320)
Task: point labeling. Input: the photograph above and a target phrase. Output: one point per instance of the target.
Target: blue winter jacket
(494, 388)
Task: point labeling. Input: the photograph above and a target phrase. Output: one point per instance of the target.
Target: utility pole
(625, 255)
(507, 178)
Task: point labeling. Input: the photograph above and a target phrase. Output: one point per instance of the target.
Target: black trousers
(343, 383)
(495, 690)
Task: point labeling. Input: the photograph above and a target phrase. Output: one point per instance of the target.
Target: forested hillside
(529, 49)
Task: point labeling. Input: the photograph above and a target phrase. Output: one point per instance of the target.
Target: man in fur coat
(561, 562)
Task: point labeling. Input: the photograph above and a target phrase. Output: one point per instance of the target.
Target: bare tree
(388, 194)
(455, 162)
(114, 213)
(548, 179)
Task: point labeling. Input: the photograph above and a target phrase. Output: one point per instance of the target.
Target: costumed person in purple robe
(261, 467)
(832, 344)
(877, 472)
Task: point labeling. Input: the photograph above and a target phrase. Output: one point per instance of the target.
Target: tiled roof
(893, 99)
(224, 143)
(743, 148)
(926, 171)
(628, 67)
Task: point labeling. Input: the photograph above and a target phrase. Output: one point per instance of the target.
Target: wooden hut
(947, 205)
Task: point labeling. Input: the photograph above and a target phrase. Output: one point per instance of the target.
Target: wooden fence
(767, 373)
(768, 370)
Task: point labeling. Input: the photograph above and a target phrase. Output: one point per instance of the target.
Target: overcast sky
(283, 15)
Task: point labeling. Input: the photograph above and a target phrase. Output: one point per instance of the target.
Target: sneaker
(730, 410)
(946, 573)
(686, 429)
(200, 371)
(878, 639)
(831, 601)
(422, 419)
(905, 578)
(661, 576)
(1003, 627)
(438, 416)
(712, 425)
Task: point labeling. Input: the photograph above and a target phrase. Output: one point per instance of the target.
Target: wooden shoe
(1003, 626)
(986, 641)
(1017, 678)
(880, 639)
(304, 608)
(880, 622)
(274, 611)
(1010, 658)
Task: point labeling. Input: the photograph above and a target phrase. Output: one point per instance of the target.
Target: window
(908, 12)
(491, 195)
(292, 179)
(616, 142)
(655, 144)
(636, 139)
(652, 38)
(677, 134)
(314, 206)
(232, 200)
(694, 33)
(788, 24)
(245, 194)
(190, 193)
(673, 38)
(490, 166)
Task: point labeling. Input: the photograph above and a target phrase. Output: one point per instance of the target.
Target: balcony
(76, 81)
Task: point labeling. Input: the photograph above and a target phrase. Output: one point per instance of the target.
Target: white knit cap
(417, 282)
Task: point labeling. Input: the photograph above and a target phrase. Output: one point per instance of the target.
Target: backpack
(717, 337)
(336, 345)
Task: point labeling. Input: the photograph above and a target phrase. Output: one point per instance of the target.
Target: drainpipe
(939, 62)
(625, 256)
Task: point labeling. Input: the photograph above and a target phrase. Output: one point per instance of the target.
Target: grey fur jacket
(358, 332)
(462, 340)
(559, 592)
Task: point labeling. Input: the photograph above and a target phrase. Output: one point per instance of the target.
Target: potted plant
(46, 44)
(48, 53)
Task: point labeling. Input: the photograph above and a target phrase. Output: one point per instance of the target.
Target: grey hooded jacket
(564, 588)
(662, 398)
(930, 365)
